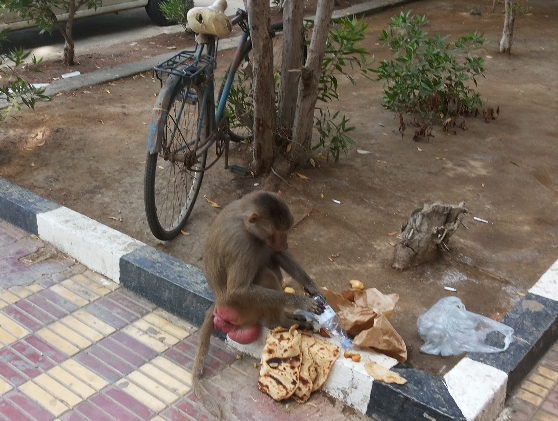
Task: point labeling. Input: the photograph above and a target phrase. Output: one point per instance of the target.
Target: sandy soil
(86, 150)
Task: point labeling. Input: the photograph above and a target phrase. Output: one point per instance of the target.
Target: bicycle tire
(170, 188)
(239, 132)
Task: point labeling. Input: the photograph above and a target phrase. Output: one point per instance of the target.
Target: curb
(475, 389)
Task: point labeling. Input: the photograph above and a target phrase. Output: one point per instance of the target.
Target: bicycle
(186, 122)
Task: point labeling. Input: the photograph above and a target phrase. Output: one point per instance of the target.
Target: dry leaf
(419, 149)
(289, 147)
(382, 374)
(391, 234)
(211, 202)
(312, 162)
(391, 243)
(302, 176)
(115, 218)
(102, 122)
(160, 167)
(141, 75)
(184, 232)
(322, 195)
(488, 56)
(108, 92)
(322, 157)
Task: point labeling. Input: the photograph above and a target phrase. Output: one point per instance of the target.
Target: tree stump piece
(426, 234)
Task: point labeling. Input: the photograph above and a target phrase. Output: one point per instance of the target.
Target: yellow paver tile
(177, 386)
(8, 297)
(156, 418)
(69, 295)
(4, 386)
(58, 342)
(176, 320)
(166, 326)
(58, 390)
(547, 372)
(100, 279)
(80, 290)
(71, 382)
(529, 397)
(542, 381)
(141, 395)
(13, 327)
(144, 338)
(84, 374)
(20, 291)
(172, 368)
(155, 332)
(153, 387)
(3, 304)
(70, 335)
(34, 288)
(104, 328)
(90, 284)
(44, 398)
(6, 337)
(82, 328)
(534, 388)
(541, 415)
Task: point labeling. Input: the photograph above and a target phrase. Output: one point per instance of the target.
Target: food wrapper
(365, 316)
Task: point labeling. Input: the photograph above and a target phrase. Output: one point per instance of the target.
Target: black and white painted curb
(475, 389)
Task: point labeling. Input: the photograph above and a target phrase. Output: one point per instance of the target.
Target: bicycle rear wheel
(171, 188)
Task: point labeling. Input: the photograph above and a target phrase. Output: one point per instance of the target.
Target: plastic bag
(448, 329)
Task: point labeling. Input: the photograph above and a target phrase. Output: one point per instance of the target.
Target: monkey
(245, 250)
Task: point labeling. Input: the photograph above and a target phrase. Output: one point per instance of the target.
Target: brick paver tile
(111, 359)
(71, 382)
(92, 321)
(550, 406)
(155, 388)
(100, 279)
(187, 406)
(44, 398)
(4, 386)
(71, 296)
(131, 305)
(125, 353)
(534, 388)
(55, 298)
(172, 369)
(529, 397)
(6, 338)
(84, 374)
(20, 291)
(47, 306)
(130, 343)
(70, 335)
(29, 406)
(106, 316)
(45, 348)
(8, 296)
(111, 306)
(166, 326)
(173, 414)
(34, 288)
(11, 358)
(35, 312)
(73, 416)
(58, 390)
(11, 412)
(542, 381)
(80, 289)
(117, 411)
(58, 342)
(13, 327)
(92, 412)
(88, 283)
(544, 416)
(131, 403)
(157, 418)
(138, 393)
(144, 338)
(37, 358)
(22, 318)
(98, 367)
(548, 373)
(156, 333)
(138, 298)
(86, 331)
(14, 377)
(180, 386)
(183, 360)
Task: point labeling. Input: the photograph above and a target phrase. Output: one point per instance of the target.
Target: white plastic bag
(448, 329)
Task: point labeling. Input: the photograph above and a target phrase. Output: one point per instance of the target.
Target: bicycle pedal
(235, 169)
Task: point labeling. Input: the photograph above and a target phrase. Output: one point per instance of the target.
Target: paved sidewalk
(75, 346)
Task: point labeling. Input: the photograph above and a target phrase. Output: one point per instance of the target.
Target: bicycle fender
(160, 114)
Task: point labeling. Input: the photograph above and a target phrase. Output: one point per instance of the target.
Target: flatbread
(308, 370)
(324, 355)
(280, 363)
(382, 374)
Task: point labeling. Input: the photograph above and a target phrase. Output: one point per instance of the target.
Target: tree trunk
(264, 92)
(507, 34)
(308, 84)
(292, 56)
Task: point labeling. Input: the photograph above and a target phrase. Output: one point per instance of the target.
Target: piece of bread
(308, 370)
(324, 355)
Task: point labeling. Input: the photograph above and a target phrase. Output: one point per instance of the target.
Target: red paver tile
(110, 407)
(12, 376)
(9, 357)
(128, 303)
(92, 412)
(29, 406)
(187, 346)
(47, 306)
(72, 416)
(125, 353)
(58, 300)
(46, 349)
(136, 346)
(22, 318)
(101, 313)
(551, 407)
(138, 298)
(128, 402)
(187, 406)
(181, 359)
(33, 355)
(227, 357)
(111, 359)
(116, 309)
(35, 312)
(173, 414)
(12, 413)
(98, 367)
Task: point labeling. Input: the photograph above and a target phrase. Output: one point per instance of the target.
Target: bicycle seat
(210, 20)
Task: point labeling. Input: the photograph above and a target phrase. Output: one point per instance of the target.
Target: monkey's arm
(287, 262)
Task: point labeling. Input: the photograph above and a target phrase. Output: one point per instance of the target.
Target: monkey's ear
(252, 218)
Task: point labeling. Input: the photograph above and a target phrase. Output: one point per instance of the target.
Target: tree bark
(292, 56)
(264, 92)
(507, 33)
(308, 84)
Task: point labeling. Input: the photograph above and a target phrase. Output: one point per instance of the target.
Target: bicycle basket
(183, 64)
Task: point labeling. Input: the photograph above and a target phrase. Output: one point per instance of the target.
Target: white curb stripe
(95, 245)
(547, 285)
(479, 390)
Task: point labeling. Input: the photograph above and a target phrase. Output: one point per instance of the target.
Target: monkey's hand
(313, 306)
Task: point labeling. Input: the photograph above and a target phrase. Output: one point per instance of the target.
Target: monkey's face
(278, 241)
(264, 229)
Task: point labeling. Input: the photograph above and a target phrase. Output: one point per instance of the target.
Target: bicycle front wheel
(171, 187)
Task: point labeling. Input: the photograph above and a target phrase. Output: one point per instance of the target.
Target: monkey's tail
(203, 347)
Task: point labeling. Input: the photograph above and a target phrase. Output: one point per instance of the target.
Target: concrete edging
(475, 389)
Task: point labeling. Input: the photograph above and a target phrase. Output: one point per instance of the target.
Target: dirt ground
(86, 150)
